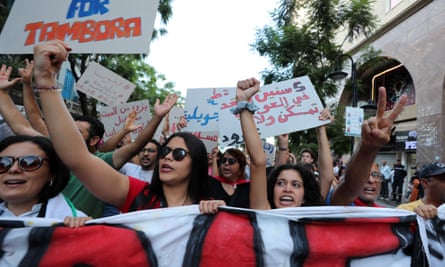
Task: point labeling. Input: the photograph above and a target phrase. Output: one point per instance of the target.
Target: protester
(29, 102)
(293, 185)
(258, 195)
(397, 184)
(323, 170)
(147, 161)
(231, 184)
(376, 132)
(32, 179)
(307, 156)
(414, 190)
(385, 170)
(245, 89)
(371, 190)
(432, 177)
(179, 177)
(213, 160)
(92, 131)
(143, 170)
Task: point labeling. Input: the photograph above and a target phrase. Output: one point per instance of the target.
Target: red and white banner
(307, 236)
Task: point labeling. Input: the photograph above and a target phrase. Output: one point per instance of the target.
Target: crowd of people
(63, 171)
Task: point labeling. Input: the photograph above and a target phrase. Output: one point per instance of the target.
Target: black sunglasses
(178, 153)
(231, 161)
(26, 163)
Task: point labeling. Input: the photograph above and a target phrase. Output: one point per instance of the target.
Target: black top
(240, 197)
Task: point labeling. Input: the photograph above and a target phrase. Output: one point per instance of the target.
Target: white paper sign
(284, 107)
(89, 26)
(114, 118)
(354, 117)
(209, 138)
(104, 85)
(202, 108)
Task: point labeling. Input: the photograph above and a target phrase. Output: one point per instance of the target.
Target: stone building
(411, 39)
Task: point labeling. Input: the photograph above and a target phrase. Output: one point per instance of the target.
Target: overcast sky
(208, 43)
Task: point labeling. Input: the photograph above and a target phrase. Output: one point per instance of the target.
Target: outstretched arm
(324, 155)
(125, 153)
(29, 101)
(258, 179)
(376, 132)
(16, 121)
(283, 150)
(98, 177)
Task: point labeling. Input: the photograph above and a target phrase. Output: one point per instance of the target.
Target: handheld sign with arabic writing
(284, 107)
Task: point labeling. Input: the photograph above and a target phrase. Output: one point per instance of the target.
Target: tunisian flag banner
(308, 236)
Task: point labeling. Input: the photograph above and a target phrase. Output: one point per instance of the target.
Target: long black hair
(57, 169)
(198, 177)
(312, 195)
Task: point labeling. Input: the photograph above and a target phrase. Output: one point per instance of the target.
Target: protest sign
(354, 117)
(202, 106)
(89, 26)
(284, 107)
(104, 85)
(114, 117)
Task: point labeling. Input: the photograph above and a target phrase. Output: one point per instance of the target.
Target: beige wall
(419, 43)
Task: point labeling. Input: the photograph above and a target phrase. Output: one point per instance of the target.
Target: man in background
(385, 170)
(399, 177)
(432, 177)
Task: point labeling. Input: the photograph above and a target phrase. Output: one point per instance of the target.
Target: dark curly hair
(312, 195)
(56, 167)
(96, 127)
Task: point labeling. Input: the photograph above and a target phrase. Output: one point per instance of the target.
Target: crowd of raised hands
(184, 173)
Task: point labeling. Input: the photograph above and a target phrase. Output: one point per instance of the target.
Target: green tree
(299, 45)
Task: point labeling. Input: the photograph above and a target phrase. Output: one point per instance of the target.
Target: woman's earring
(50, 183)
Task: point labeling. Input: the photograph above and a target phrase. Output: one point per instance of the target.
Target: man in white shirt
(385, 170)
(147, 159)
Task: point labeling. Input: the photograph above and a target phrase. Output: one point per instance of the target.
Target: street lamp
(338, 75)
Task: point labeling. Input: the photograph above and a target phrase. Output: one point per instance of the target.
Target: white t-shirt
(57, 208)
(136, 171)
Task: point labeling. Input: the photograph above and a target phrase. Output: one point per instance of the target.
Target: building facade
(411, 41)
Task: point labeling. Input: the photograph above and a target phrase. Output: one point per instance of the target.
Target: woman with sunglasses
(179, 178)
(32, 178)
(231, 185)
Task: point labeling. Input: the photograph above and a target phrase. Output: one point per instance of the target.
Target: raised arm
(29, 101)
(125, 153)
(376, 132)
(97, 176)
(16, 121)
(283, 150)
(258, 179)
(114, 140)
(324, 155)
